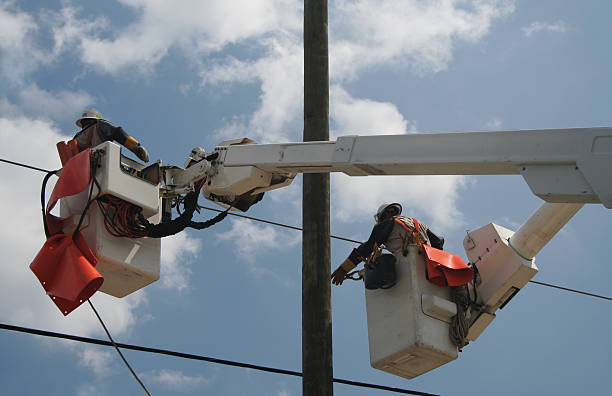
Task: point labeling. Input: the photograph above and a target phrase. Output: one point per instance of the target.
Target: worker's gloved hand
(338, 276)
(141, 152)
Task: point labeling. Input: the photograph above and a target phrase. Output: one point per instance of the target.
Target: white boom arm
(559, 165)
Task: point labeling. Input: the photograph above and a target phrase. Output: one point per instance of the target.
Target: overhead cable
(358, 242)
(332, 236)
(25, 165)
(571, 290)
(274, 223)
(191, 356)
(117, 348)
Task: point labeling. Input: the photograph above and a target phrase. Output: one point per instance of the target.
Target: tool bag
(65, 265)
(380, 273)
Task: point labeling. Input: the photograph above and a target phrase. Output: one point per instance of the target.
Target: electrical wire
(191, 356)
(274, 223)
(358, 242)
(25, 165)
(117, 348)
(332, 236)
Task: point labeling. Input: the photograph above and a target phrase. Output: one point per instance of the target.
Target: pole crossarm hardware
(559, 165)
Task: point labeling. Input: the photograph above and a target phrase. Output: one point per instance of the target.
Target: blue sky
(191, 73)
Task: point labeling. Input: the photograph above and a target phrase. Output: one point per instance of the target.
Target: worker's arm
(110, 132)
(379, 235)
(436, 241)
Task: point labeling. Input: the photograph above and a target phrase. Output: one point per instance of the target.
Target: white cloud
(68, 29)
(365, 117)
(97, 360)
(280, 73)
(363, 34)
(539, 26)
(88, 390)
(58, 105)
(249, 239)
(369, 33)
(194, 26)
(174, 380)
(34, 103)
(177, 252)
(494, 124)
(432, 198)
(404, 32)
(8, 109)
(23, 36)
(20, 55)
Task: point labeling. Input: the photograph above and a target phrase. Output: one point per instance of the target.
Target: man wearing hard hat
(391, 230)
(95, 130)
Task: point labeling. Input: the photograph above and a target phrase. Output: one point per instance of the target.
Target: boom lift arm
(559, 165)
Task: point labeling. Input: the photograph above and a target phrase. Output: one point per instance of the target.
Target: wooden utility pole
(316, 284)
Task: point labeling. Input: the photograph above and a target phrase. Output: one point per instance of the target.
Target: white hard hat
(88, 113)
(382, 208)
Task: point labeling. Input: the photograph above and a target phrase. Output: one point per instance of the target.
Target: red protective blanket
(446, 269)
(65, 266)
(443, 268)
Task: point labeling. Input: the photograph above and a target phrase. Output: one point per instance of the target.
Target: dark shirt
(380, 234)
(97, 132)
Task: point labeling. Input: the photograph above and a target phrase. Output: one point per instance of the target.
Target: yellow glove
(339, 274)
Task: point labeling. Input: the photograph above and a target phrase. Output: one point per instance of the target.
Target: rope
(460, 325)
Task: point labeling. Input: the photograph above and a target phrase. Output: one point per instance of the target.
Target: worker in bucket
(95, 130)
(391, 231)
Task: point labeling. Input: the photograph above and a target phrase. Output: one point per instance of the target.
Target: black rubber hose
(42, 201)
(173, 226)
(205, 224)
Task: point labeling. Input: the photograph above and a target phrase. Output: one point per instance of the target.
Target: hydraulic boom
(559, 165)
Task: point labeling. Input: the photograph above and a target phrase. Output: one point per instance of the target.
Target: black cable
(176, 225)
(42, 201)
(571, 290)
(332, 236)
(191, 356)
(274, 223)
(25, 165)
(117, 348)
(354, 241)
(200, 225)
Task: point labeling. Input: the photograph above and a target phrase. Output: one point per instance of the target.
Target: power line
(358, 242)
(191, 356)
(571, 290)
(25, 166)
(117, 348)
(274, 223)
(332, 236)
